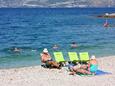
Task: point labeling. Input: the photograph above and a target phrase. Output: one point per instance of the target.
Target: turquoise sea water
(32, 29)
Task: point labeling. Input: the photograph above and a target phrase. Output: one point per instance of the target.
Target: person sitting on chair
(47, 60)
(93, 65)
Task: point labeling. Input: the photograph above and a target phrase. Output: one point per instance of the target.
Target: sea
(30, 30)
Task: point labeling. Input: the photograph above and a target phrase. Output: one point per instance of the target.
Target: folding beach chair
(59, 57)
(73, 56)
(84, 56)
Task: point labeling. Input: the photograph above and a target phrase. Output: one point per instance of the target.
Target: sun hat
(93, 57)
(45, 50)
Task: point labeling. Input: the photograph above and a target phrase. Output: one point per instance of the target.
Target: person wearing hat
(45, 56)
(93, 64)
(47, 60)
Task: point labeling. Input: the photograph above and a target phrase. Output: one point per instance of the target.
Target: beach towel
(101, 72)
(98, 72)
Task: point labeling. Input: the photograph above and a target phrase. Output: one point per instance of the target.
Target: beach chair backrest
(59, 57)
(84, 56)
(73, 56)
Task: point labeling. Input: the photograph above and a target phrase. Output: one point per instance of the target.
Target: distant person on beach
(55, 47)
(47, 60)
(73, 45)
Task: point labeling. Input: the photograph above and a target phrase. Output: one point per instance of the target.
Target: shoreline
(40, 65)
(39, 76)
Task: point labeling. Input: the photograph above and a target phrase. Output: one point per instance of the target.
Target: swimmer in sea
(73, 45)
(16, 50)
(55, 47)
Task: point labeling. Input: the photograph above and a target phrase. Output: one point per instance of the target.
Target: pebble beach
(39, 76)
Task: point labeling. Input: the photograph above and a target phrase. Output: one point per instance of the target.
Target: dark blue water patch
(16, 27)
(6, 23)
(56, 11)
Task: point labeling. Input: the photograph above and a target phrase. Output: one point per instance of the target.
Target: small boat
(107, 15)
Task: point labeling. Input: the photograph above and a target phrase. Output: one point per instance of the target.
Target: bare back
(45, 57)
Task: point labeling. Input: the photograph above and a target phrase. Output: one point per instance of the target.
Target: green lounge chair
(84, 56)
(59, 57)
(73, 56)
